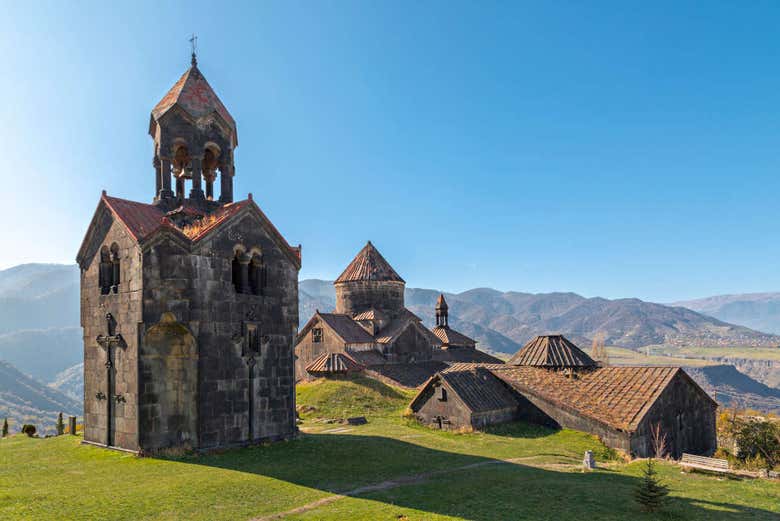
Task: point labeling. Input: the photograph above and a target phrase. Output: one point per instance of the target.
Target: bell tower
(194, 140)
(442, 312)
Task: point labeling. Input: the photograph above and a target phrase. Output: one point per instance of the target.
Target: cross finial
(194, 46)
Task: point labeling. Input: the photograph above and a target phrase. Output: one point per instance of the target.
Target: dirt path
(397, 482)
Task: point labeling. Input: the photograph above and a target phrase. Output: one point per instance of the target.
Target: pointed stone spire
(369, 264)
(442, 312)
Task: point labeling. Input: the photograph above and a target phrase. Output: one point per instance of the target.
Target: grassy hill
(389, 469)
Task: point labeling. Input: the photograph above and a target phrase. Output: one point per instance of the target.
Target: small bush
(650, 493)
(29, 430)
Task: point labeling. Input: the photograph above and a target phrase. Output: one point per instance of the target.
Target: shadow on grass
(453, 484)
(519, 429)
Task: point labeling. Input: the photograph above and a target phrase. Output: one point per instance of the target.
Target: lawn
(516, 472)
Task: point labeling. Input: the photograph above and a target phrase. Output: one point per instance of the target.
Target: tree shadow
(453, 484)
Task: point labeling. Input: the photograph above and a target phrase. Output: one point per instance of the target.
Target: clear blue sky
(615, 148)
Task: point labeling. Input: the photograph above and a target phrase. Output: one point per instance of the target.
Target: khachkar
(189, 304)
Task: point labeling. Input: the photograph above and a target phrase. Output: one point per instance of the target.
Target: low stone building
(372, 325)
(189, 304)
(555, 383)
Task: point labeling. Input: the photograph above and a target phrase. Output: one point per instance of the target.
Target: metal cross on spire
(194, 46)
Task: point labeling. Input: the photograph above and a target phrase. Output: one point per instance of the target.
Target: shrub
(5, 427)
(650, 493)
(29, 430)
(759, 438)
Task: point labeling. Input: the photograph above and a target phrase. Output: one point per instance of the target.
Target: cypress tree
(60, 425)
(650, 493)
(5, 427)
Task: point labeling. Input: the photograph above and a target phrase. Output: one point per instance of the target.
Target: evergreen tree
(60, 425)
(5, 427)
(650, 493)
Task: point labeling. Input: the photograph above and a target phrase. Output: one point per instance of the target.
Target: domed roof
(369, 264)
(551, 351)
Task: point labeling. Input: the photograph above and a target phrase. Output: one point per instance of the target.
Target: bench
(704, 463)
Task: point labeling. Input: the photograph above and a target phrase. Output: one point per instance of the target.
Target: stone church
(189, 304)
(371, 329)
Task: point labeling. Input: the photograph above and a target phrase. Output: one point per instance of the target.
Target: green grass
(464, 476)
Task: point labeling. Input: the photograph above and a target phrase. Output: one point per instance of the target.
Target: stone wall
(413, 345)
(454, 414)
(687, 420)
(125, 307)
(356, 296)
(306, 351)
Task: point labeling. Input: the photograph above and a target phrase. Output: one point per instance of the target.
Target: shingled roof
(195, 96)
(346, 328)
(551, 351)
(615, 396)
(334, 363)
(477, 387)
(369, 264)
(142, 220)
(450, 337)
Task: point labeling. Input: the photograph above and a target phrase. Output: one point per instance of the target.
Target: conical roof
(551, 351)
(193, 94)
(441, 304)
(369, 264)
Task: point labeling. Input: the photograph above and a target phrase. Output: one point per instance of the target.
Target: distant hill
(39, 296)
(42, 354)
(502, 321)
(25, 400)
(732, 388)
(70, 382)
(759, 311)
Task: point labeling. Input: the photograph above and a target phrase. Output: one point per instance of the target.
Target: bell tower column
(197, 191)
(164, 179)
(226, 184)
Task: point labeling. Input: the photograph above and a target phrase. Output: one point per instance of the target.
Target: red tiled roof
(193, 94)
(371, 314)
(615, 396)
(450, 337)
(144, 219)
(369, 264)
(551, 351)
(141, 219)
(329, 363)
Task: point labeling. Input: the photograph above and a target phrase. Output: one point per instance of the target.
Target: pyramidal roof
(441, 303)
(193, 94)
(369, 264)
(551, 351)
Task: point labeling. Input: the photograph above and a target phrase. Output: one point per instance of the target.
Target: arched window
(105, 271)
(115, 271)
(257, 276)
(236, 267)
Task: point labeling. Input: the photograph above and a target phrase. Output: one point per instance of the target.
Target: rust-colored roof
(334, 363)
(477, 387)
(193, 94)
(371, 314)
(143, 219)
(450, 337)
(411, 374)
(367, 357)
(346, 328)
(441, 304)
(369, 264)
(615, 396)
(465, 354)
(551, 351)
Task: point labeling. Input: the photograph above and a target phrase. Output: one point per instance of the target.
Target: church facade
(189, 304)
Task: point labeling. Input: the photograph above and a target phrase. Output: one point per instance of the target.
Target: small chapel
(189, 302)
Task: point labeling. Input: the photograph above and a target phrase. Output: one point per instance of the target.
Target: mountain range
(759, 311)
(41, 343)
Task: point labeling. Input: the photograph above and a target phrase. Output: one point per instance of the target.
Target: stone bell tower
(189, 304)
(194, 139)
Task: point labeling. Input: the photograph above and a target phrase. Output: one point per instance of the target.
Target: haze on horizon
(628, 150)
